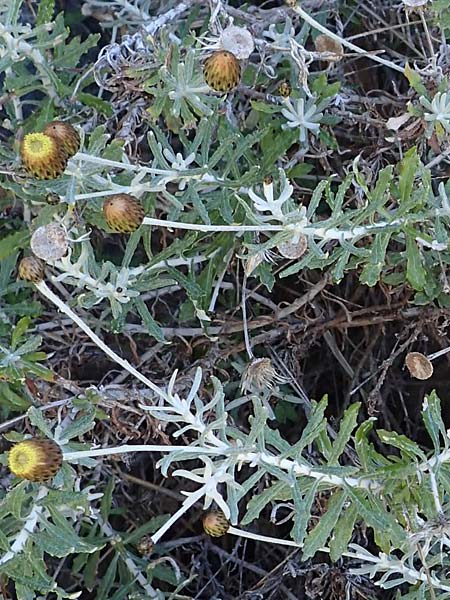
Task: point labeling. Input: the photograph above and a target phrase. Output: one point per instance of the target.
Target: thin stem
(248, 345)
(306, 17)
(46, 291)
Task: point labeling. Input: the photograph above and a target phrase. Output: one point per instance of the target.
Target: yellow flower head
(35, 459)
(43, 156)
(215, 524)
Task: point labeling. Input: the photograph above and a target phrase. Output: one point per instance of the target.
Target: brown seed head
(293, 248)
(333, 49)
(418, 365)
(215, 524)
(42, 156)
(222, 71)
(65, 134)
(35, 459)
(32, 269)
(123, 213)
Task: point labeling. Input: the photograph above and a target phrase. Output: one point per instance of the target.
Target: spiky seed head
(43, 156)
(327, 45)
(222, 71)
(65, 134)
(260, 375)
(284, 89)
(49, 242)
(35, 459)
(293, 248)
(215, 523)
(419, 365)
(32, 269)
(123, 213)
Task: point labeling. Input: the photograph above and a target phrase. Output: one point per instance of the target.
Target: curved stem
(306, 17)
(46, 291)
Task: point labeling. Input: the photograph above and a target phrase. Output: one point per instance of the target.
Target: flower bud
(65, 134)
(123, 213)
(215, 524)
(42, 156)
(222, 71)
(35, 459)
(31, 269)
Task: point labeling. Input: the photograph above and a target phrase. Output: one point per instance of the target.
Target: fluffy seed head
(42, 156)
(123, 213)
(35, 459)
(238, 41)
(215, 524)
(419, 365)
(49, 242)
(222, 71)
(31, 269)
(65, 134)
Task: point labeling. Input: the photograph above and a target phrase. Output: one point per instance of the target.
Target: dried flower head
(65, 134)
(123, 213)
(35, 459)
(327, 45)
(293, 248)
(32, 269)
(49, 242)
(261, 375)
(222, 71)
(284, 89)
(215, 523)
(418, 365)
(238, 41)
(42, 156)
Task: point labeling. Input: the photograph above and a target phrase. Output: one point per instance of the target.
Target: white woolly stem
(190, 501)
(28, 527)
(126, 449)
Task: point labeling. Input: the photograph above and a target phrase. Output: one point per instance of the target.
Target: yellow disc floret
(35, 459)
(43, 156)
